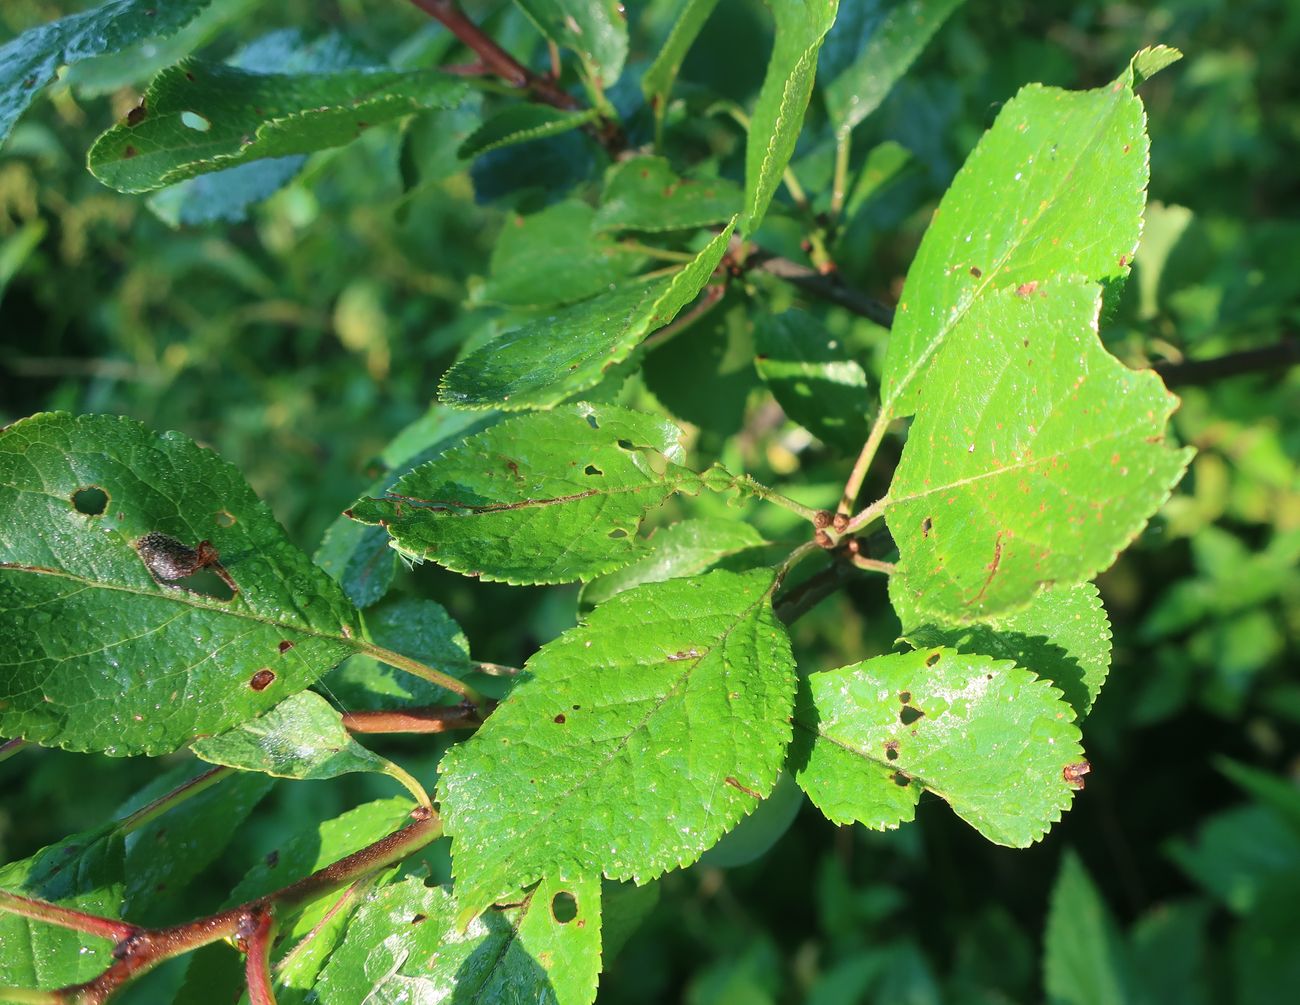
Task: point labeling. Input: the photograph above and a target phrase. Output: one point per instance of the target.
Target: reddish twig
(256, 938)
(429, 719)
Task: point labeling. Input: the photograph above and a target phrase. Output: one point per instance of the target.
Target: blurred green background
(299, 340)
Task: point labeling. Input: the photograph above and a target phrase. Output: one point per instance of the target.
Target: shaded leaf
(1084, 961)
(778, 115)
(1063, 636)
(404, 945)
(197, 117)
(548, 497)
(637, 740)
(30, 61)
(552, 257)
(1041, 459)
(754, 836)
(985, 736)
(595, 29)
(520, 124)
(105, 656)
(543, 362)
(644, 193)
(657, 81)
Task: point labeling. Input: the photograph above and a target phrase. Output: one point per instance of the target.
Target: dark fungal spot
(927, 525)
(261, 680)
(272, 858)
(933, 658)
(417, 919)
(591, 421)
(129, 152)
(137, 115)
(976, 271)
(285, 646)
(625, 445)
(559, 719)
(891, 750)
(904, 696)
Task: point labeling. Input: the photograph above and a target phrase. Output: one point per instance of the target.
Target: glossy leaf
(778, 116)
(985, 736)
(404, 945)
(30, 61)
(520, 124)
(1043, 457)
(813, 378)
(549, 497)
(657, 81)
(303, 737)
(1063, 636)
(105, 656)
(1084, 957)
(644, 193)
(198, 117)
(595, 29)
(82, 872)
(637, 740)
(552, 257)
(1055, 187)
(882, 58)
(543, 362)
(686, 548)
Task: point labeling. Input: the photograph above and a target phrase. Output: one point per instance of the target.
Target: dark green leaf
(644, 193)
(985, 736)
(106, 654)
(1083, 952)
(1039, 459)
(521, 123)
(548, 497)
(637, 740)
(657, 81)
(548, 360)
(30, 61)
(404, 945)
(595, 29)
(198, 117)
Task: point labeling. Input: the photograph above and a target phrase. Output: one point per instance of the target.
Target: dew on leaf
(90, 500)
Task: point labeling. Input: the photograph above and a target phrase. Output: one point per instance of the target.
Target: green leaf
(985, 736)
(1151, 60)
(357, 556)
(198, 117)
(1062, 636)
(1083, 951)
(104, 655)
(1055, 187)
(637, 740)
(754, 836)
(1042, 457)
(549, 497)
(83, 872)
(787, 87)
(644, 193)
(521, 123)
(657, 81)
(30, 61)
(895, 43)
(595, 29)
(302, 737)
(552, 257)
(543, 362)
(812, 377)
(686, 548)
(404, 945)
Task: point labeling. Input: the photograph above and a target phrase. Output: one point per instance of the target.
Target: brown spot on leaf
(559, 719)
(891, 750)
(976, 271)
(137, 115)
(261, 680)
(1025, 289)
(743, 788)
(1073, 774)
(285, 645)
(129, 152)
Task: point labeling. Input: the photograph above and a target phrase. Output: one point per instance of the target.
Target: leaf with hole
(109, 653)
(989, 738)
(1042, 457)
(197, 117)
(549, 497)
(634, 743)
(404, 944)
(543, 362)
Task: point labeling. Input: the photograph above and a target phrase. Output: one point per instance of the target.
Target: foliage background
(299, 341)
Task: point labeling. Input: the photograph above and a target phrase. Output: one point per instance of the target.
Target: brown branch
(256, 938)
(429, 719)
(825, 287)
(1267, 359)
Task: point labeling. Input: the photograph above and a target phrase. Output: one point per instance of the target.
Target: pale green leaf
(1084, 961)
(552, 257)
(104, 656)
(1055, 187)
(198, 117)
(84, 872)
(543, 362)
(548, 497)
(30, 61)
(657, 81)
(987, 737)
(686, 548)
(1151, 60)
(404, 945)
(637, 740)
(1041, 457)
(1062, 636)
(778, 116)
(644, 193)
(858, 90)
(813, 377)
(595, 29)
(521, 123)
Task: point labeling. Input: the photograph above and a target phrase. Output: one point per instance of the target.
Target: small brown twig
(429, 719)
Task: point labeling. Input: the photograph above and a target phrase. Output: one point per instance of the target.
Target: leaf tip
(1151, 60)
